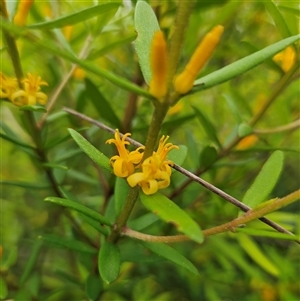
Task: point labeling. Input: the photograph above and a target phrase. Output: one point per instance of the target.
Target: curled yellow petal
(183, 83)
(22, 12)
(158, 63)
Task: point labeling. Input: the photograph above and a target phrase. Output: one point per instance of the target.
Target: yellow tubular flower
(8, 86)
(124, 164)
(31, 93)
(184, 81)
(22, 13)
(156, 170)
(158, 63)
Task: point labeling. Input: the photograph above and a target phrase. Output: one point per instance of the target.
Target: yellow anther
(158, 63)
(185, 80)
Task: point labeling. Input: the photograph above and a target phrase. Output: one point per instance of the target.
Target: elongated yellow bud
(22, 13)
(184, 81)
(158, 63)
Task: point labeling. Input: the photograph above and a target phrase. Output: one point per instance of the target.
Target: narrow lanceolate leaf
(257, 255)
(33, 108)
(67, 243)
(170, 254)
(121, 192)
(109, 262)
(98, 157)
(171, 213)
(77, 17)
(278, 18)
(207, 126)
(15, 141)
(146, 25)
(265, 181)
(243, 65)
(101, 104)
(178, 156)
(79, 208)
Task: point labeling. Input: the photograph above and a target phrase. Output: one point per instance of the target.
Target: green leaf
(268, 233)
(33, 108)
(34, 254)
(243, 65)
(52, 165)
(170, 254)
(171, 213)
(98, 157)
(143, 221)
(103, 230)
(80, 208)
(265, 181)
(208, 156)
(15, 141)
(93, 287)
(253, 250)
(178, 156)
(68, 243)
(146, 25)
(278, 18)
(52, 48)
(109, 262)
(3, 288)
(77, 17)
(207, 126)
(101, 104)
(25, 184)
(121, 192)
(244, 130)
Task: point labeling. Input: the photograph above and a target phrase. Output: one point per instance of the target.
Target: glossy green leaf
(121, 192)
(96, 225)
(265, 181)
(253, 250)
(79, 208)
(143, 221)
(68, 243)
(170, 254)
(98, 157)
(178, 156)
(146, 25)
(15, 141)
(33, 108)
(243, 65)
(109, 262)
(207, 126)
(208, 156)
(34, 254)
(169, 212)
(277, 18)
(268, 233)
(51, 47)
(101, 104)
(77, 17)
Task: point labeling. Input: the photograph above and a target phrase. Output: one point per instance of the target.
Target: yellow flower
(286, 58)
(183, 83)
(124, 164)
(8, 86)
(22, 13)
(31, 93)
(156, 170)
(247, 142)
(158, 63)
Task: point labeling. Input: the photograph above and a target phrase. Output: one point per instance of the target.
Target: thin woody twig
(187, 173)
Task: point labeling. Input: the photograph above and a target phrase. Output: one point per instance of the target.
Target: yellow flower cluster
(183, 83)
(29, 95)
(155, 171)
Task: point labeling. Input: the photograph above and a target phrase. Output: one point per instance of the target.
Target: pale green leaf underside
(146, 25)
(169, 212)
(265, 181)
(243, 65)
(77, 17)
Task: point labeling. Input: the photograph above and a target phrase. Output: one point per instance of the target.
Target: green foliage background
(231, 266)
